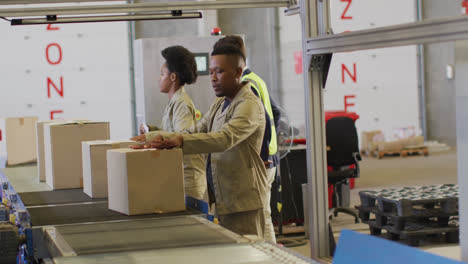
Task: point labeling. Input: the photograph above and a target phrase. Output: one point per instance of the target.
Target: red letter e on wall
(347, 103)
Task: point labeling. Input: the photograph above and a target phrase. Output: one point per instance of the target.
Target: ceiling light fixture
(53, 19)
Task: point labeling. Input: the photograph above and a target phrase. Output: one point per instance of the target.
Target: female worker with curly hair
(179, 69)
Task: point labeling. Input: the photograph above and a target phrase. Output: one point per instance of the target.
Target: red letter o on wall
(59, 59)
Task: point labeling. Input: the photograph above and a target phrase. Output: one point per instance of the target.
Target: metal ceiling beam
(26, 2)
(429, 31)
(139, 7)
(91, 19)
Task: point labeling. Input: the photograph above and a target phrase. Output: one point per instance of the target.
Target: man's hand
(140, 138)
(174, 142)
(267, 163)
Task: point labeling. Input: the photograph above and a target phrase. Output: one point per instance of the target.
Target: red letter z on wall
(344, 16)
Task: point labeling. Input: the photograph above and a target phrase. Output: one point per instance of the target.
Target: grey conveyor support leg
(461, 86)
(315, 21)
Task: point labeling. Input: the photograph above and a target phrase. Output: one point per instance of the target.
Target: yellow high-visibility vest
(260, 86)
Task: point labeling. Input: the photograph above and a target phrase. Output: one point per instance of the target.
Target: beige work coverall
(234, 139)
(179, 115)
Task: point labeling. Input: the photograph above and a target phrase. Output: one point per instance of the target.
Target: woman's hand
(143, 129)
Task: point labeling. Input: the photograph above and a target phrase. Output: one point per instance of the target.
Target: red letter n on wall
(345, 69)
(50, 83)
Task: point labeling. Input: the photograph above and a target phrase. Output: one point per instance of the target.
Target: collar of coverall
(246, 71)
(244, 88)
(177, 94)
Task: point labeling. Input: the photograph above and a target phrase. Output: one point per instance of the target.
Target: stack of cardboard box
(374, 142)
(76, 154)
(400, 144)
(369, 141)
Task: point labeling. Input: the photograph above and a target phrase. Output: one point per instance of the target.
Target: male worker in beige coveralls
(232, 131)
(269, 153)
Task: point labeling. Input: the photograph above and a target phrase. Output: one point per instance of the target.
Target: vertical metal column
(421, 77)
(314, 18)
(461, 73)
(131, 39)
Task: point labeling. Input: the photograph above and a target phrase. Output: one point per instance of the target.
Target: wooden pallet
(421, 150)
(367, 153)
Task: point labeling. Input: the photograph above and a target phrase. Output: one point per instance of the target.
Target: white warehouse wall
(67, 71)
(382, 89)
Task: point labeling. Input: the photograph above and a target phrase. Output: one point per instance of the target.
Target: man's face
(225, 75)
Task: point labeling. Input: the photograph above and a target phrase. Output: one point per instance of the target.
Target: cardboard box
(400, 144)
(95, 165)
(62, 148)
(145, 181)
(40, 149)
(40, 145)
(18, 140)
(395, 145)
(368, 140)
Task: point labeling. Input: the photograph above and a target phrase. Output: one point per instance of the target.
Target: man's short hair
(232, 40)
(229, 50)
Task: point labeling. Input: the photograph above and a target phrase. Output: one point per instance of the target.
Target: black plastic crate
(405, 201)
(399, 222)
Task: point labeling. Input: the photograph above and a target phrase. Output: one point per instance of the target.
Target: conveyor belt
(143, 234)
(56, 197)
(259, 253)
(85, 212)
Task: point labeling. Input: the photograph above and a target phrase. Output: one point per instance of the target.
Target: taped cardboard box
(95, 165)
(368, 140)
(40, 145)
(145, 181)
(18, 140)
(62, 148)
(400, 144)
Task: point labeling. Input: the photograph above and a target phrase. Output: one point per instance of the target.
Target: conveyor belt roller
(169, 232)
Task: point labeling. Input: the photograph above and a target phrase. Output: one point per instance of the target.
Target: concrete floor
(25, 179)
(437, 168)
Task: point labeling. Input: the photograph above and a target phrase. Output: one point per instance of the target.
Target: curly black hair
(182, 62)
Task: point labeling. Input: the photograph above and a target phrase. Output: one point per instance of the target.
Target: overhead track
(111, 18)
(140, 8)
(25, 2)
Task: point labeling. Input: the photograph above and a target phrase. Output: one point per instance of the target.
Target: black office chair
(343, 157)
